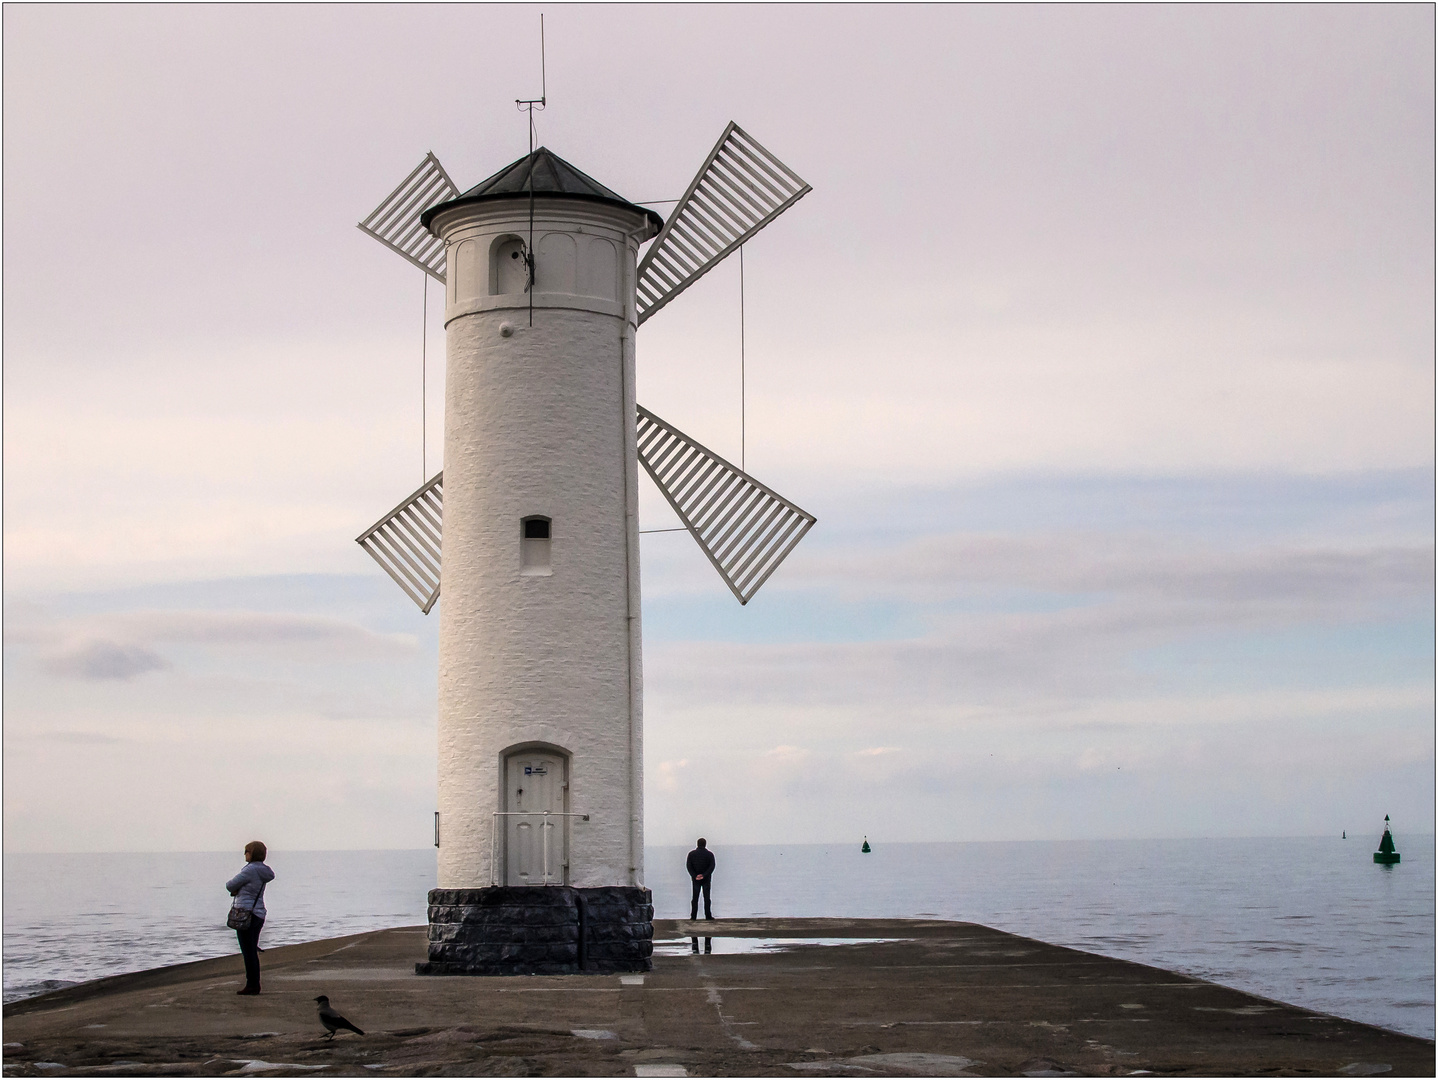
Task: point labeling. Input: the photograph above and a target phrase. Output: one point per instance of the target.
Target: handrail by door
(544, 832)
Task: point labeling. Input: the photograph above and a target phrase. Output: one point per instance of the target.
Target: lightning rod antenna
(527, 105)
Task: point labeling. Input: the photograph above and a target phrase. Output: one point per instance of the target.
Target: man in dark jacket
(700, 865)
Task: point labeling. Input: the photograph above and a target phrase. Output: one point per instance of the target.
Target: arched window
(508, 272)
(534, 545)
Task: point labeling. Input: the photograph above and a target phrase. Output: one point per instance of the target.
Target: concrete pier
(914, 998)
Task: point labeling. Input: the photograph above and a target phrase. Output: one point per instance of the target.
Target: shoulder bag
(240, 918)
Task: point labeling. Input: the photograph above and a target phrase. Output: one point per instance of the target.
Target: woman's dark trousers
(250, 949)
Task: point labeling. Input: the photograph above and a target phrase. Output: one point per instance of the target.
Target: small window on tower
(509, 270)
(534, 546)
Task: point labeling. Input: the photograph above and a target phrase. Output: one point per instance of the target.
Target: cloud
(257, 628)
(121, 646)
(984, 658)
(98, 659)
(74, 738)
(788, 755)
(1157, 567)
(1177, 765)
(991, 619)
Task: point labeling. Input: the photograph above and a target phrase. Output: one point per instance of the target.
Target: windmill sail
(741, 188)
(395, 222)
(406, 543)
(745, 529)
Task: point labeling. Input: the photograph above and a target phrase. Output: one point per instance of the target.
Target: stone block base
(538, 930)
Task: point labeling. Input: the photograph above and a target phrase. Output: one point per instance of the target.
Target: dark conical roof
(550, 175)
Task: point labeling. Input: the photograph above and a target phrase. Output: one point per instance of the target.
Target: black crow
(332, 1020)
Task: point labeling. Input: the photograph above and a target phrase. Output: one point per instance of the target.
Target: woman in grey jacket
(248, 889)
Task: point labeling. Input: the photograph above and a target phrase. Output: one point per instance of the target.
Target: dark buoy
(1345, 834)
(1385, 853)
(865, 848)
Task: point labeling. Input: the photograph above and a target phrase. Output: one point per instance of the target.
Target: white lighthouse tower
(540, 819)
(539, 642)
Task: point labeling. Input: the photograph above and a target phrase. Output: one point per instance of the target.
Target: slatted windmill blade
(745, 528)
(406, 543)
(395, 222)
(740, 189)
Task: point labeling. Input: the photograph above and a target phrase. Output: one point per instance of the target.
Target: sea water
(1308, 921)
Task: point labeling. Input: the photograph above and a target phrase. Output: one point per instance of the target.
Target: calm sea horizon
(1310, 921)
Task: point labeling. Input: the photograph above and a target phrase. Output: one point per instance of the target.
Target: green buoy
(1385, 853)
(865, 848)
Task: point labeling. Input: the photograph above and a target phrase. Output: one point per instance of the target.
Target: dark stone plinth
(539, 930)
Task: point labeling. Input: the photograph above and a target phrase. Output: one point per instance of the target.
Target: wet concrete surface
(899, 998)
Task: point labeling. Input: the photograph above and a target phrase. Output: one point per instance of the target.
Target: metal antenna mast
(424, 385)
(742, 394)
(527, 105)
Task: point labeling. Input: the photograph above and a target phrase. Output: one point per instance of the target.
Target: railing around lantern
(544, 831)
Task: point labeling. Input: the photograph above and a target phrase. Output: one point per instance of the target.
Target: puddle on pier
(730, 946)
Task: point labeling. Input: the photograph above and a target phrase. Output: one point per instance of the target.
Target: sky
(1102, 349)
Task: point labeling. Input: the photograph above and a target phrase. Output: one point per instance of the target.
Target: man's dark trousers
(694, 900)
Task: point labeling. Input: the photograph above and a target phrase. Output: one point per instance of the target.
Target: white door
(535, 849)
